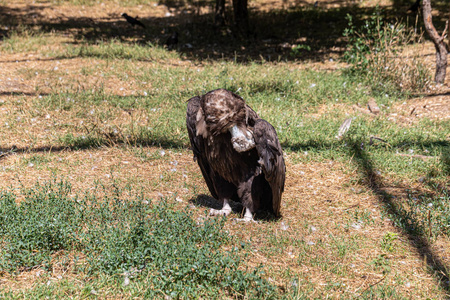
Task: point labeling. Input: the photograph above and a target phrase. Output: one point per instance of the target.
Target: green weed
(388, 241)
(126, 238)
(31, 231)
(382, 263)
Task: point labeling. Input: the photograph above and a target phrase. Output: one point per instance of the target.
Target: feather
(344, 128)
(238, 153)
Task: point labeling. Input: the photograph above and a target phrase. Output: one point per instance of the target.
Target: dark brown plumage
(238, 153)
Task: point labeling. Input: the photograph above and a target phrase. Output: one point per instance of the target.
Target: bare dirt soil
(320, 199)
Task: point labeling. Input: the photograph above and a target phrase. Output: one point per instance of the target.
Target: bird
(415, 7)
(238, 153)
(172, 40)
(133, 21)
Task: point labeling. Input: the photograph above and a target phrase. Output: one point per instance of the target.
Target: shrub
(377, 51)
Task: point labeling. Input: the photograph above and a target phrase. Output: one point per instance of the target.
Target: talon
(225, 211)
(248, 217)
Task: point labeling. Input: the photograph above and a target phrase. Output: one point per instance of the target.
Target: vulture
(238, 153)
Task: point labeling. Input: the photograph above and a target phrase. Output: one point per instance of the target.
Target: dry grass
(332, 228)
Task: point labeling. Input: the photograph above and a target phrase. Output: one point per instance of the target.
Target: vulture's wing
(271, 159)
(198, 143)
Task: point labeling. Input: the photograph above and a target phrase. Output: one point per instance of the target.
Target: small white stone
(284, 226)
(126, 281)
(356, 226)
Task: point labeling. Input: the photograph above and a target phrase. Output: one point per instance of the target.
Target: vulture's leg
(248, 216)
(244, 193)
(242, 140)
(225, 211)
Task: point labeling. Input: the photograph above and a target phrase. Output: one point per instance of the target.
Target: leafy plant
(299, 49)
(382, 262)
(388, 241)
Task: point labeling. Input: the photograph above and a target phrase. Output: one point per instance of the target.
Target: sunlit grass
(92, 102)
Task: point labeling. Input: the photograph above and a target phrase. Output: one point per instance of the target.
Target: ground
(334, 237)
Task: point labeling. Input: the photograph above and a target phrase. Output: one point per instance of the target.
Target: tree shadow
(300, 32)
(94, 143)
(409, 226)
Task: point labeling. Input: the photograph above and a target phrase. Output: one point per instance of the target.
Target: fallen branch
(372, 285)
(363, 110)
(379, 139)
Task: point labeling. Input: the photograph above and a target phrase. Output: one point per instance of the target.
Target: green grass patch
(291, 101)
(23, 39)
(126, 238)
(114, 49)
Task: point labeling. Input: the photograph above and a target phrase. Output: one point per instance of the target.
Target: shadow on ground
(300, 32)
(207, 201)
(410, 227)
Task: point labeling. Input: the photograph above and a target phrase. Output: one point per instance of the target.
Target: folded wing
(198, 143)
(271, 159)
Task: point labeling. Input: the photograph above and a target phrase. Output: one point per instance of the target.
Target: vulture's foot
(225, 211)
(242, 140)
(248, 217)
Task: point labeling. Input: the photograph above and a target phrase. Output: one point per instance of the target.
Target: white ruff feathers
(242, 141)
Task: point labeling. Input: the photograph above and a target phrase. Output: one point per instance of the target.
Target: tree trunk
(439, 43)
(219, 16)
(241, 15)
